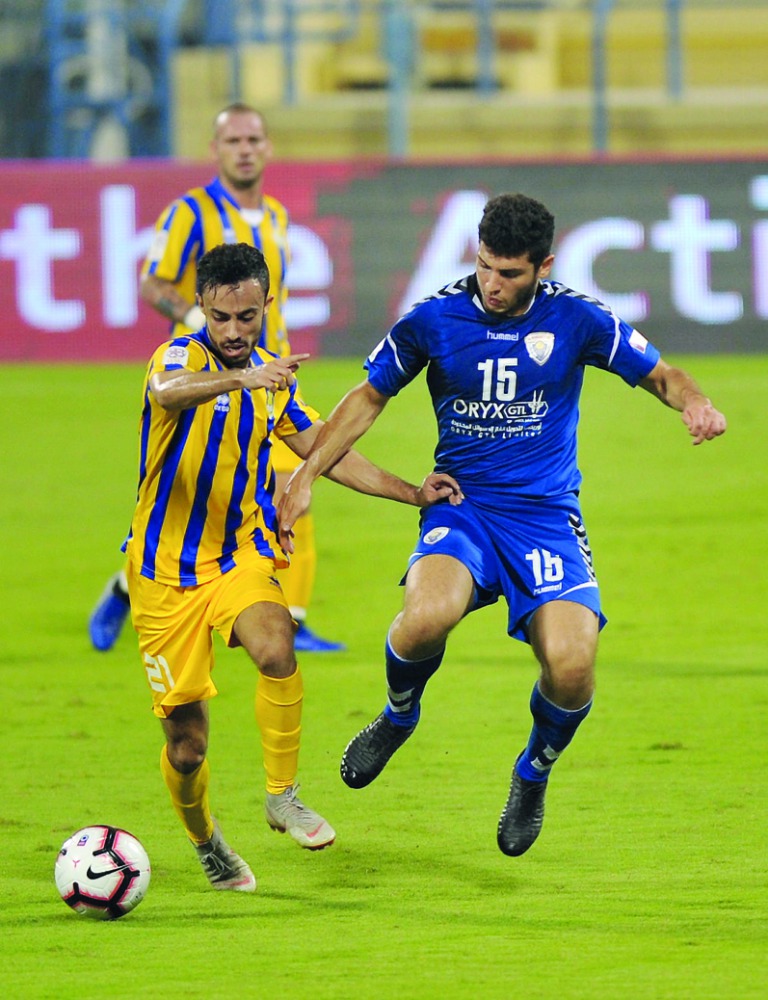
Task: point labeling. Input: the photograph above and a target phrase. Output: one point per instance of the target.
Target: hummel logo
(495, 335)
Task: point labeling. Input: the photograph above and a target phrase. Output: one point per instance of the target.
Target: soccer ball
(102, 872)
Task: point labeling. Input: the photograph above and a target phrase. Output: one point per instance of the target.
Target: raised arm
(180, 389)
(677, 389)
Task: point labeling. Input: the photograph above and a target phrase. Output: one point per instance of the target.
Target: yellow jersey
(206, 483)
(204, 218)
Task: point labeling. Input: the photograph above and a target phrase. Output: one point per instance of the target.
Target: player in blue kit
(505, 352)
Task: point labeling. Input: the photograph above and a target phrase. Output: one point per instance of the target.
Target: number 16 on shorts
(547, 569)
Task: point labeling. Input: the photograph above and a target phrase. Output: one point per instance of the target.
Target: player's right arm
(181, 389)
(678, 390)
(164, 298)
(177, 241)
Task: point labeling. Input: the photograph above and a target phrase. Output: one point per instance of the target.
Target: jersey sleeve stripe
(616, 338)
(392, 344)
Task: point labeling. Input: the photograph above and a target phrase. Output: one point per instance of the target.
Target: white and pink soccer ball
(102, 872)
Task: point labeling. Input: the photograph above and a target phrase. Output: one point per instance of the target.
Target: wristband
(194, 319)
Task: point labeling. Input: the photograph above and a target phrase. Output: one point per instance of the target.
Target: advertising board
(677, 248)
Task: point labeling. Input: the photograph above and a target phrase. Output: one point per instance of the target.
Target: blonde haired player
(233, 208)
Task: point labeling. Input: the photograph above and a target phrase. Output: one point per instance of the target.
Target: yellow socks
(189, 795)
(278, 715)
(299, 579)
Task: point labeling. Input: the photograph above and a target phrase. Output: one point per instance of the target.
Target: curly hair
(514, 224)
(230, 264)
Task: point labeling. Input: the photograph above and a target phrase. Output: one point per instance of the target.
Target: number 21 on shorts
(158, 673)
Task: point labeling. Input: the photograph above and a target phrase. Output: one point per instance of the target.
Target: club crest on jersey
(158, 245)
(176, 355)
(435, 535)
(539, 346)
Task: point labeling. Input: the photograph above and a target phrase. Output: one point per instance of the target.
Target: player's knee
(434, 618)
(278, 668)
(569, 681)
(187, 752)
(276, 657)
(271, 649)
(416, 633)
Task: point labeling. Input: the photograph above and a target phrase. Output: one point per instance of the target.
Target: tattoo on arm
(167, 308)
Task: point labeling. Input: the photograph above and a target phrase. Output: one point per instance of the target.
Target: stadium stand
(461, 78)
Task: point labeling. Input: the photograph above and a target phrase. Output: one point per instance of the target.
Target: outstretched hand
(439, 486)
(293, 503)
(703, 421)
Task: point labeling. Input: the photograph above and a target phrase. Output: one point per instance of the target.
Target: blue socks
(553, 729)
(406, 680)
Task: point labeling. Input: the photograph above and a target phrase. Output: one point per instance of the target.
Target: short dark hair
(231, 264)
(514, 224)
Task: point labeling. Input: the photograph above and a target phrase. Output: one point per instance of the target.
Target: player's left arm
(358, 473)
(677, 389)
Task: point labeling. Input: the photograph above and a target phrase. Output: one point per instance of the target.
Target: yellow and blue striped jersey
(204, 218)
(206, 482)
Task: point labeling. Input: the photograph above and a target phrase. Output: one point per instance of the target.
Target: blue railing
(284, 22)
(110, 61)
(674, 63)
(109, 67)
(398, 16)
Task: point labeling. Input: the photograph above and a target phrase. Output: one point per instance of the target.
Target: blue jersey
(505, 389)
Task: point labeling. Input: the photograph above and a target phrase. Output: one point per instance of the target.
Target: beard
(241, 183)
(519, 303)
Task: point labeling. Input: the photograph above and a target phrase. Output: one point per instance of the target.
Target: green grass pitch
(649, 879)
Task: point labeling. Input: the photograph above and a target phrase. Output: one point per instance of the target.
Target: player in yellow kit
(233, 208)
(202, 549)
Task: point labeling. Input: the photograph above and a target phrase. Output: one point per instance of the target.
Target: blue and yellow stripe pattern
(204, 218)
(205, 474)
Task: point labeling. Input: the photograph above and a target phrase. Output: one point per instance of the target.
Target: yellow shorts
(283, 459)
(175, 626)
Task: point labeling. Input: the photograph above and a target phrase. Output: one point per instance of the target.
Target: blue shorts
(529, 551)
